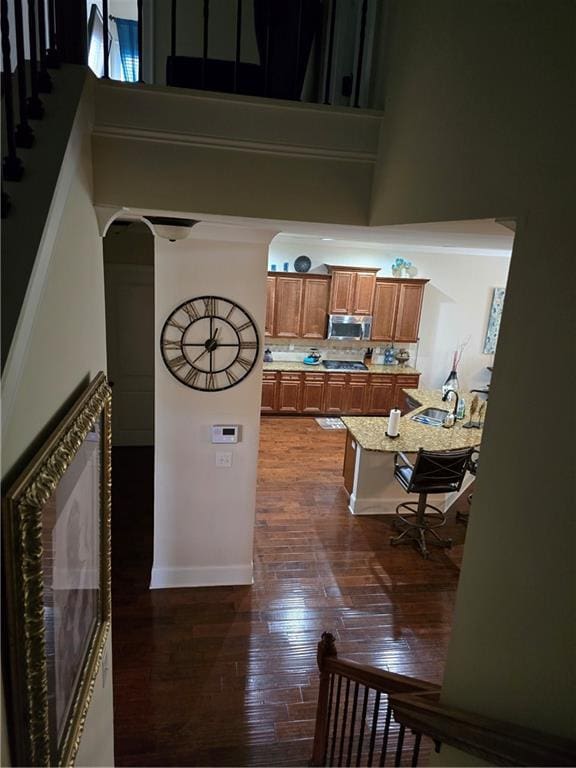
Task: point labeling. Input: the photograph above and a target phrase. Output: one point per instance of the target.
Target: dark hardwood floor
(227, 675)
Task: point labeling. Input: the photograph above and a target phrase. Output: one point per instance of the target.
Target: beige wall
(65, 350)
(480, 123)
(204, 514)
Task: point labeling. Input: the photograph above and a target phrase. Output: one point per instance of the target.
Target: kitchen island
(369, 458)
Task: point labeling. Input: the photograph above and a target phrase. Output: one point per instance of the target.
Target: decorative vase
(402, 356)
(451, 382)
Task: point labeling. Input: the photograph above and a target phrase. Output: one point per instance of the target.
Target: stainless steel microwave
(349, 327)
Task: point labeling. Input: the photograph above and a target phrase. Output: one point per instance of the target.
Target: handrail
(415, 706)
(496, 741)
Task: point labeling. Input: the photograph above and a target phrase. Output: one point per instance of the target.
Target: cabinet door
(334, 392)
(384, 314)
(312, 393)
(287, 304)
(356, 391)
(269, 393)
(342, 292)
(402, 382)
(270, 297)
(289, 393)
(380, 394)
(314, 316)
(409, 309)
(363, 298)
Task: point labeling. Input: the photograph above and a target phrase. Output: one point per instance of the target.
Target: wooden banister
(415, 706)
(497, 742)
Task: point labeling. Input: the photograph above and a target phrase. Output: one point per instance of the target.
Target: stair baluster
(53, 56)
(24, 133)
(12, 168)
(44, 79)
(35, 106)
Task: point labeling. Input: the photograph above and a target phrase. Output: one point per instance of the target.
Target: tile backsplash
(296, 349)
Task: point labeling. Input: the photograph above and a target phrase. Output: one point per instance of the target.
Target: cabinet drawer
(314, 377)
(269, 376)
(407, 380)
(290, 376)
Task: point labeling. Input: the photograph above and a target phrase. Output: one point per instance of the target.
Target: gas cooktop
(344, 365)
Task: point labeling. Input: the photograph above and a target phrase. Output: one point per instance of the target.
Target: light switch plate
(223, 459)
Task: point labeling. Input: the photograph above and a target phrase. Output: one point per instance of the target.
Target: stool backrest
(439, 471)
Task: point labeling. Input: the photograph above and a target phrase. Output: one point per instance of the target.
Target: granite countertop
(291, 365)
(370, 431)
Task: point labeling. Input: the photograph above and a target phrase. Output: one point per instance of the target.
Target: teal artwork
(494, 321)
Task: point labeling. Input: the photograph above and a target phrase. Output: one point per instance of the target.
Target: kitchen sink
(431, 416)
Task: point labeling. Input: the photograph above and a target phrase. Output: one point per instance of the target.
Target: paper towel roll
(393, 423)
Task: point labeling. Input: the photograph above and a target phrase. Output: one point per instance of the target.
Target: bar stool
(432, 472)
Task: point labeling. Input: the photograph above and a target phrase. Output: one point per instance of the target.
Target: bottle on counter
(268, 356)
(461, 408)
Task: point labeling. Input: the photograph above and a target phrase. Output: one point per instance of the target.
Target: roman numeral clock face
(209, 343)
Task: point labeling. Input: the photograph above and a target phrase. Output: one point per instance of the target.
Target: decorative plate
(302, 264)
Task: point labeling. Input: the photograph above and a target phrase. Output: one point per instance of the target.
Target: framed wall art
(494, 321)
(56, 522)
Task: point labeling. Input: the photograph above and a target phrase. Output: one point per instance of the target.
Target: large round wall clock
(209, 343)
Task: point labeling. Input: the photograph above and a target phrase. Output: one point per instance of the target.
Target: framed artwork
(494, 321)
(57, 573)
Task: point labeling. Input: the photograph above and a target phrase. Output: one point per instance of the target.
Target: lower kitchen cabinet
(380, 394)
(334, 394)
(403, 381)
(269, 403)
(289, 387)
(355, 394)
(312, 393)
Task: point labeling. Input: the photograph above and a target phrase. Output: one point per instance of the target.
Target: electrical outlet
(223, 459)
(291, 347)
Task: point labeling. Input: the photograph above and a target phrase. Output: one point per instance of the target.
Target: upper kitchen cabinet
(297, 306)
(397, 309)
(352, 290)
(314, 313)
(409, 310)
(270, 301)
(385, 309)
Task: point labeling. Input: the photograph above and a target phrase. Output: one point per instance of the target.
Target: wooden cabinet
(352, 290)
(269, 392)
(270, 302)
(316, 393)
(355, 394)
(380, 394)
(334, 392)
(385, 308)
(297, 306)
(289, 385)
(287, 302)
(397, 310)
(314, 312)
(312, 393)
(401, 382)
(409, 311)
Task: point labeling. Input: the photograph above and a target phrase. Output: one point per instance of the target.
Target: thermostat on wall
(225, 433)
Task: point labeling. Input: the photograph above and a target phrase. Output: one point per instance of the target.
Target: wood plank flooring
(227, 675)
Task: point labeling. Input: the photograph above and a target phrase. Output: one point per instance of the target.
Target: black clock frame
(206, 300)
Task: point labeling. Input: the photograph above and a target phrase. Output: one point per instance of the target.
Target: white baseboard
(202, 576)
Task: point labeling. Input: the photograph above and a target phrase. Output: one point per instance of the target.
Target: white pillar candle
(393, 422)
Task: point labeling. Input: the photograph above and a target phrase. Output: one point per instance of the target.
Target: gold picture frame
(56, 531)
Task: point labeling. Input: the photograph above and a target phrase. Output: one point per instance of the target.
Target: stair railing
(354, 724)
(366, 714)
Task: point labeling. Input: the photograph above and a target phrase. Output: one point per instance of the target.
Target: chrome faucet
(450, 418)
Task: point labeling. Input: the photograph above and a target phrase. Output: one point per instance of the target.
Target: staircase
(366, 716)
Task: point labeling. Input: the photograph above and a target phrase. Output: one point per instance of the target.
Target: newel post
(326, 649)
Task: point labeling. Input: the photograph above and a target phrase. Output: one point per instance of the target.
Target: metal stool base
(418, 525)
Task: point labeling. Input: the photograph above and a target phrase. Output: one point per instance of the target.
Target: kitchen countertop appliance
(313, 357)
